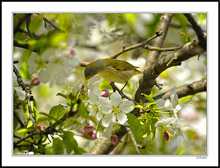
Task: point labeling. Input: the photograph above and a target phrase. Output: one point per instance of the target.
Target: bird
(113, 70)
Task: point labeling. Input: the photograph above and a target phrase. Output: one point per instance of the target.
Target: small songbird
(112, 70)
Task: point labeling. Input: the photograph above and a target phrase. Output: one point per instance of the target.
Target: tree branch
(19, 120)
(188, 89)
(163, 26)
(28, 95)
(133, 140)
(142, 44)
(103, 146)
(54, 26)
(197, 29)
(165, 62)
(49, 129)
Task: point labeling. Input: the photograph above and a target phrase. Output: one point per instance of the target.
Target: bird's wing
(126, 66)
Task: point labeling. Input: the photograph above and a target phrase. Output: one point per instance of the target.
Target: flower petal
(165, 121)
(44, 76)
(174, 96)
(160, 102)
(99, 115)
(105, 105)
(168, 104)
(177, 109)
(122, 118)
(107, 119)
(116, 99)
(92, 97)
(109, 129)
(126, 106)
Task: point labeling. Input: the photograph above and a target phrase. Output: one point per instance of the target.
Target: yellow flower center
(116, 110)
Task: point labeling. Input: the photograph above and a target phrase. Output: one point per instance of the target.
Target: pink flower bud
(88, 128)
(80, 86)
(93, 136)
(106, 93)
(72, 52)
(35, 81)
(166, 136)
(90, 132)
(82, 131)
(114, 139)
(38, 127)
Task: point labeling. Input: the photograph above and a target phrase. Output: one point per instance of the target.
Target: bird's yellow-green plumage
(111, 69)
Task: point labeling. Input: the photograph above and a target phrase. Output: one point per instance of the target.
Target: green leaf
(55, 38)
(182, 21)
(41, 44)
(36, 114)
(58, 146)
(82, 110)
(24, 72)
(146, 129)
(139, 106)
(149, 98)
(153, 128)
(135, 127)
(62, 95)
(70, 142)
(30, 124)
(36, 137)
(151, 106)
(57, 112)
(15, 122)
(24, 130)
(130, 17)
(35, 24)
(151, 27)
(65, 22)
(202, 17)
(185, 99)
(42, 119)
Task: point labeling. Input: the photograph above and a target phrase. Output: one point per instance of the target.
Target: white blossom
(170, 104)
(115, 109)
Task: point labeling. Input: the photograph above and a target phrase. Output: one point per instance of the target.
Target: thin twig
(19, 120)
(142, 44)
(152, 48)
(15, 136)
(28, 95)
(119, 91)
(197, 29)
(24, 46)
(55, 27)
(17, 27)
(133, 140)
(49, 129)
(28, 20)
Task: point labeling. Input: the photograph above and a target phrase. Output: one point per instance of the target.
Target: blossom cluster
(169, 124)
(109, 110)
